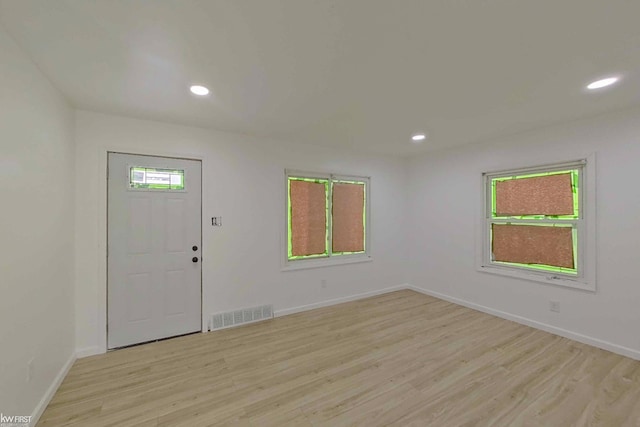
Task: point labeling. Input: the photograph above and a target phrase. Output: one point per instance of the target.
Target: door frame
(102, 319)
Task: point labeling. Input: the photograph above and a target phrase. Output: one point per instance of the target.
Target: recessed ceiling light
(419, 137)
(199, 90)
(602, 83)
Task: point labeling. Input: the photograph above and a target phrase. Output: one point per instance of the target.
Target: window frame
(584, 225)
(314, 261)
(131, 166)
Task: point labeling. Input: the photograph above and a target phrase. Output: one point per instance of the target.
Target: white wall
(243, 181)
(445, 202)
(36, 232)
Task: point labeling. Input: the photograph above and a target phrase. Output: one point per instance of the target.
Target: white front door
(154, 248)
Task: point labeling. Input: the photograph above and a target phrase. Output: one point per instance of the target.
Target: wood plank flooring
(401, 359)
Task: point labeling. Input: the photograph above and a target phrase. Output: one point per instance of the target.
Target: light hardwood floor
(397, 359)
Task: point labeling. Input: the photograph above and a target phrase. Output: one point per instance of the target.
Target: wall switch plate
(554, 306)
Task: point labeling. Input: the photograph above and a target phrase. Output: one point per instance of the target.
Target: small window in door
(156, 179)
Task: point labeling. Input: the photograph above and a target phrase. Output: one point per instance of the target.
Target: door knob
(194, 259)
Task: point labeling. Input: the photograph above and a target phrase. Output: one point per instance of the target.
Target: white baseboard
(88, 351)
(326, 303)
(585, 339)
(42, 405)
(605, 345)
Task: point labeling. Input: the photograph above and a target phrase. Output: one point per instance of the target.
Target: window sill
(325, 262)
(547, 278)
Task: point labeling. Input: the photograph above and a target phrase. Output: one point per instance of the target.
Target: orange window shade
(531, 244)
(347, 219)
(308, 218)
(540, 195)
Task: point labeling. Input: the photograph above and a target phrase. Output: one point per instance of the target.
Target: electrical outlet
(554, 306)
(323, 283)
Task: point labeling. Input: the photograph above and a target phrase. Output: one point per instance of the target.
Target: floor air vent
(240, 317)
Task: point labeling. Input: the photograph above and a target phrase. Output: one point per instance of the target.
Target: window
(156, 179)
(535, 224)
(327, 219)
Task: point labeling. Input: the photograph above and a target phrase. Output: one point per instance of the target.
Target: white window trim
(586, 279)
(330, 259)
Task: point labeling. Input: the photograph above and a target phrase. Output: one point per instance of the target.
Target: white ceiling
(364, 74)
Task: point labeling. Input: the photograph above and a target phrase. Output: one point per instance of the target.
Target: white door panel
(154, 286)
